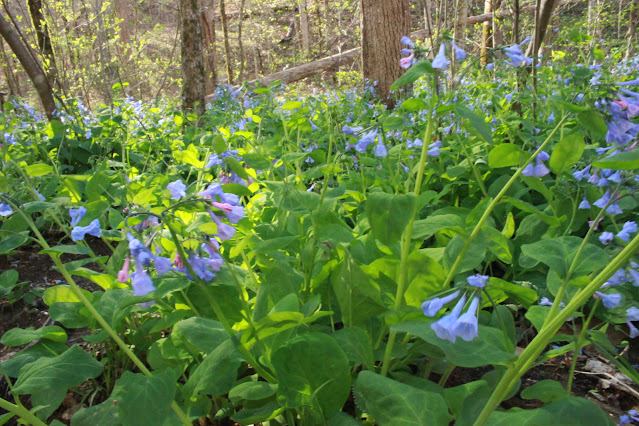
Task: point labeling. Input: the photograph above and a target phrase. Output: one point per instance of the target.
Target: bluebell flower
(490, 66)
(634, 332)
(313, 126)
(584, 204)
(93, 228)
(551, 117)
(444, 327)
(40, 196)
(632, 314)
(233, 213)
(434, 150)
(460, 54)
(478, 280)
(142, 285)
(77, 215)
(545, 302)
(601, 203)
(200, 267)
(634, 276)
(139, 251)
(162, 264)
(214, 160)
(406, 41)
(606, 238)
(407, 62)
(213, 190)
(516, 55)
(628, 228)
(466, 326)
(380, 148)
(539, 169)
(365, 141)
(440, 61)
(224, 231)
(5, 209)
(629, 83)
(177, 189)
(610, 301)
(434, 305)
(350, 130)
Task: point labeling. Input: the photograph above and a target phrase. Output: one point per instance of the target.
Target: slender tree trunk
(239, 41)
(461, 16)
(227, 46)
(13, 82)
(33, 69)
(193, 86)
(123, 12)
(383, 25)
(44, 41)
(207, 20)
(631, 35)
(516, 22)
(485, 33)
(306, 43)
(498, 35)
(545, 13)
(591, 16)
(107, 65)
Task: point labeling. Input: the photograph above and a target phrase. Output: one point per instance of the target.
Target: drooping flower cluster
(458, 324)
(78, 232)
(439, 62)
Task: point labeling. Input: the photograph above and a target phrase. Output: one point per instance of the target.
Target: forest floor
(594, 378)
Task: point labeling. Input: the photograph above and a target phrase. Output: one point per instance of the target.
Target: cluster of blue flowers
(455, 324)
(205, 262)
(439, 62)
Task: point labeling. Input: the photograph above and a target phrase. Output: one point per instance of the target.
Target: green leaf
(571, 410)
(205, 334)
(567, 152)
(425, 228)
(358, 297)
(356, 344)
(489, 348)
(622, 161)
(395, 404)
(19, 336)
(105, 414)
(216, 374)
(38, 169)
(523, 295)
(8, 281)
(418, 70)
(13, 241)
(393, 123)
(313, 371)
(477, 124)
(71, 249)
(288, 106)
(236, 166)
(473, 257)
(66, 371)
(546, 391)
(389, 214)
(263, 413)
(145, 400)
(594, 123)
(252, 391)
(505, 155)
(41, 349)
(62, 293)
(413, 104)
(559, 253)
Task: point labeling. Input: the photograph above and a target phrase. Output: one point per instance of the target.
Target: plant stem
(407, 236)
(21, 412)
(578, 343)
(494, 203)
(537, 345)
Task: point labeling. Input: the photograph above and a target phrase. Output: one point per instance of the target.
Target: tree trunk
(227, 46)
(488, 8)
(591, 16)
(207, 21)
(631, 35)
(13, 82)
(461, 16)
(306, 43)
(383, 25)
(109, 69)
(193, 86)
(33, 69)
(498, 35)
(44, 41)
(545, 12)
(123, 12)
(239, 41)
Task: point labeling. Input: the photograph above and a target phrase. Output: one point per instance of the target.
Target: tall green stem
(407, 235)
(494, 202)
(532, 351)
(21, 412)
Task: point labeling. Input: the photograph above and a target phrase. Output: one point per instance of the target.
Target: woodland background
(89, 47)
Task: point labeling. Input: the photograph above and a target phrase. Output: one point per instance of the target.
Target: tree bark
(488, 5)
(383, 25)
(13, 82)
(306, 43)
(44, 40)
(193, 86)
(631, 35)
(461, 16)
(545, 12)
(240, 42)
(33, 69)
(227, 46)
(207, 21)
